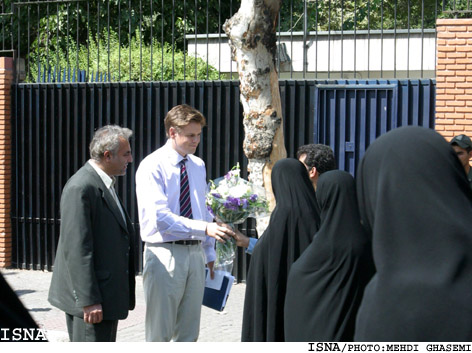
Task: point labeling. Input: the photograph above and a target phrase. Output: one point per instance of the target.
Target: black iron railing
(54, 123)
(169, 40)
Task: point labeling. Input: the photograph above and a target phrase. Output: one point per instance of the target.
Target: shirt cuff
(199, 229)
(252, 243)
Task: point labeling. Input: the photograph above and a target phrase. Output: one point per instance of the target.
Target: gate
(349, 115)
(53, 125)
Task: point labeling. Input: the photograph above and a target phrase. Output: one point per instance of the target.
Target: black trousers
(79, 331)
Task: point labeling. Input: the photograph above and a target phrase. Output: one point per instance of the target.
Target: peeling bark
(252, 34)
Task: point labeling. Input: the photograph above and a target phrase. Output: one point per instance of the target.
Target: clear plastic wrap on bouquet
(232, 200)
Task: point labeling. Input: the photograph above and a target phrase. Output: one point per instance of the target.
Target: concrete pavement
(32, 288)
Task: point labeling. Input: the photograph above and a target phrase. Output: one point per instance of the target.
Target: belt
(185, 242)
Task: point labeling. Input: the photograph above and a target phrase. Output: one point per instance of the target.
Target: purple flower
(230, 206)
(253, 197)
(244, 203)
(233, 200)
(215, 194)
(232, 203)
(211, 211)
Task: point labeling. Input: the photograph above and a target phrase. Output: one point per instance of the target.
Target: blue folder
(217, 290)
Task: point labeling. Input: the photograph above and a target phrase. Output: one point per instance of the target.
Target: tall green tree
(324, 15)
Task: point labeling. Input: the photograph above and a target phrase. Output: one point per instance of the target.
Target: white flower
(222, 189)
(239, 190)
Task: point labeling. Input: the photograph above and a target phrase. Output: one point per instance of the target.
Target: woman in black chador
(326, 283)
(293, 222)
(416, 203)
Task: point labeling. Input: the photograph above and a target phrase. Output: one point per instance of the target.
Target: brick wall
(454, 77)
(6, 78)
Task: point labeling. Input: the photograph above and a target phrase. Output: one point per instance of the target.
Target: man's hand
(241, 239)
(210, 266)
(219, 231)
(93, 314)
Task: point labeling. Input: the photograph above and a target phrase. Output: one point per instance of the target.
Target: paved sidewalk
(32, 288)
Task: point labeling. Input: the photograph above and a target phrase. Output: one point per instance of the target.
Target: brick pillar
(454, 77)
(6, 80)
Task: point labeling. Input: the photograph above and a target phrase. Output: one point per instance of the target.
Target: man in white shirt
(177, 229)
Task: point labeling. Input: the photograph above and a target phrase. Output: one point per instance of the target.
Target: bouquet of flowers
(232, 200)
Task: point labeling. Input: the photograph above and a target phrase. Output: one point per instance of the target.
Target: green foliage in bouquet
(232, 200)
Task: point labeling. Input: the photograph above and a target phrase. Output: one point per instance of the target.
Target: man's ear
(107, 155)
(312, 172)
(172, 132)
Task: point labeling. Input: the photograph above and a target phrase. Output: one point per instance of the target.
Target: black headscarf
(326, 283)
(416, 202)
(293, 223)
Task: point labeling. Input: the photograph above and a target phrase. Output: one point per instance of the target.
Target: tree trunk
(252, 35)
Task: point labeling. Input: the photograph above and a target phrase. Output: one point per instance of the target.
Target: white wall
(387, 54)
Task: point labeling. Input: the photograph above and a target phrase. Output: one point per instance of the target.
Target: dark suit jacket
(94, 260)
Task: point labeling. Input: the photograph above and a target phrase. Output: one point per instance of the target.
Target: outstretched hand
(219, 231)
(241, 239)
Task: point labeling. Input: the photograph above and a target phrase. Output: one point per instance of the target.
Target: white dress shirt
(158, 196)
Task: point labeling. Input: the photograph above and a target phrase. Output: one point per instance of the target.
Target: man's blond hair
(182, 115)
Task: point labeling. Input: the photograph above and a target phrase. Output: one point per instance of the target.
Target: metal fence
(54, 123)
(350, 114)
(168, 40)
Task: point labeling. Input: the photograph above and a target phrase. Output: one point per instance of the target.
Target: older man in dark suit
(94, 278)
